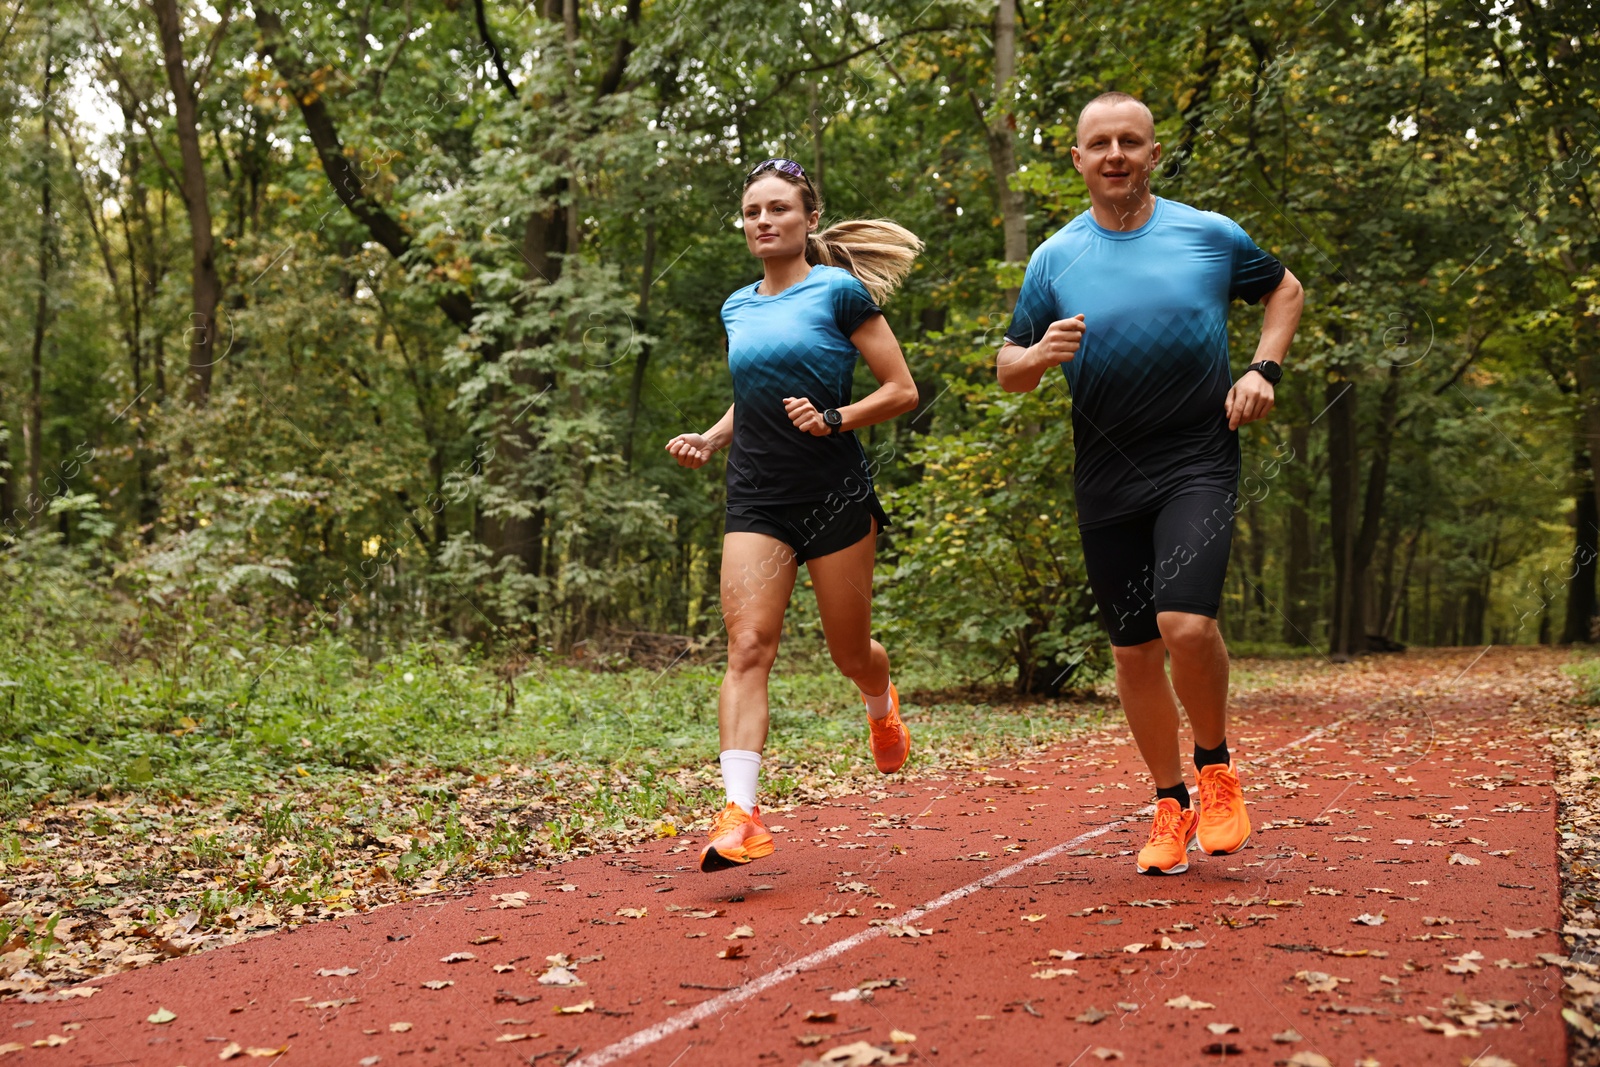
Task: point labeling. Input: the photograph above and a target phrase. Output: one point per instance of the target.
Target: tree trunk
(203, 350)
(1297, 578)
(641, 362)
(1344, 475)
(33, 429)
(1000, 125)
(1586, 543)
(818, 160)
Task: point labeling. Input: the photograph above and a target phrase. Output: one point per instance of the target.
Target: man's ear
(1076, 164)
(1155, 153)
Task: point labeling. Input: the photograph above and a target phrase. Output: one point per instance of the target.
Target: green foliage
(988, 564)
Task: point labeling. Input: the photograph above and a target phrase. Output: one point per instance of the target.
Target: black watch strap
(1272, 372)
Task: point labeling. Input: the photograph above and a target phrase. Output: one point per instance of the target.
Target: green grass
(1586, 673)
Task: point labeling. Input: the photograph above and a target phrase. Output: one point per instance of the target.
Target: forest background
(342, 340)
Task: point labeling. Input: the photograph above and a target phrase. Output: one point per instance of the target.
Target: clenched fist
(1060, 342)
(690, 450)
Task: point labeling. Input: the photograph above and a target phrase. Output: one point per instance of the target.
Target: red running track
(1360, 803)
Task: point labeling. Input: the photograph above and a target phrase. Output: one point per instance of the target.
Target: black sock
(1179, 792)
(1205, 757)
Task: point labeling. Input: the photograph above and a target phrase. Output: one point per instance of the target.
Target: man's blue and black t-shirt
(796, 343)
(1151, 375)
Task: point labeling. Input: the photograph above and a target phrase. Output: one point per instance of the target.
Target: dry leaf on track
(1185, 1001)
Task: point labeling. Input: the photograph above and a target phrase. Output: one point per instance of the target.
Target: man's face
(1116, 151)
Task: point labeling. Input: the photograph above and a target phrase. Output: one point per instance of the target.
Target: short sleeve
(1255, 273)
(1036, 305)
(852, 304)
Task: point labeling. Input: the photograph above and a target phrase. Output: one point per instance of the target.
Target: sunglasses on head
(778, 163)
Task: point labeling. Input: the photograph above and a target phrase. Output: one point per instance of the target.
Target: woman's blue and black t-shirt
(1151, 376)
(796, 343)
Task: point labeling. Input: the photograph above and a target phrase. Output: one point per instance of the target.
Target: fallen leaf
(821, 1017)
(633, 913)
(1092, 1016)
(1447, 1028)
(266, 1053)
(1486, 1061)
(1032, 918)
(1370, 920)
(846, 995)
(1135, 948)
(1185, 1001)
(511, 900)
(53, 1041)
(341, 972)
(732, 952)
(738, 932)
(1288, 1037)
(485, 939)
(1065, 954)
(11, 1046)
(1107, 1053)
(575, 1009)
(457, 957)
(1464, 859)
(807, 1040)
(437, 984)
(399, 1028)
(1510, 933)
(559, 976)
(1309, 1059)
(900, 1037)
(1222, 1028)
(1319, 981)
(161, 1016)
(230, 1050)
(1054, 972)
(508, 1038)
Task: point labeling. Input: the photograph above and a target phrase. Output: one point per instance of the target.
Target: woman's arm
(896, 393)
(693, 449)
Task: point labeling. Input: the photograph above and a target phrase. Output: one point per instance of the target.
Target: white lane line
(705, 1009)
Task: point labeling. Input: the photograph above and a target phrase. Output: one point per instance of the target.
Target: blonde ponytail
(877, 251)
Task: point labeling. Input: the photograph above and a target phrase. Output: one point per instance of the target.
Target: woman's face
(775, 223)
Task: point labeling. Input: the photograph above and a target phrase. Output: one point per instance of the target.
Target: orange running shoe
(1224, 824)
(736, 839)
(889, 738)
(1167, 851)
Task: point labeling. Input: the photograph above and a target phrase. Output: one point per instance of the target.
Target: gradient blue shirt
(1150, 378)
(796, 343)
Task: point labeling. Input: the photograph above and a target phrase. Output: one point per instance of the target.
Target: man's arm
(1020, 369)
(1252, 396)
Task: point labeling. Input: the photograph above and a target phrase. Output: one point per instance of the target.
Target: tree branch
(494, 49)
(342, 174)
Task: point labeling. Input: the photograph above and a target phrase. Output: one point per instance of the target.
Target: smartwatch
(1272, 372)
(834, 420)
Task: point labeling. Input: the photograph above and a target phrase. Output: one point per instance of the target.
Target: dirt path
(1391, 909)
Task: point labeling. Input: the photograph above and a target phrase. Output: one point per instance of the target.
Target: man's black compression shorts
(1172, 559)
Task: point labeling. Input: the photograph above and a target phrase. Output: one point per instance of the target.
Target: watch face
(1271, 371)
(832, 417)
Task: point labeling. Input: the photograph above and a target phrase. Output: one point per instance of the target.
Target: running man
(1131, 299)
(799, 485)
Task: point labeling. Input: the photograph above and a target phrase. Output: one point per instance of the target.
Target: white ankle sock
(741, 770)
(880, 705)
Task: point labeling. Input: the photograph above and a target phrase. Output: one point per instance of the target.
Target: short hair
(1114, 97)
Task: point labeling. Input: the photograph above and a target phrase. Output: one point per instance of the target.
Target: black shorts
(1171, 559)
(814, 529)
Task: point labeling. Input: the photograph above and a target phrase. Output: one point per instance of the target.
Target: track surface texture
(1391, 908)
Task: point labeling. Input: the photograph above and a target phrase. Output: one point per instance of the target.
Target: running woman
(1131, 299)
(799, 486)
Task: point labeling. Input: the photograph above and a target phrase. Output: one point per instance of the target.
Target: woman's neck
(779, 274)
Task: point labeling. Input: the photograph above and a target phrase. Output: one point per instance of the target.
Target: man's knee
(1137, 660)
(751, 650)
(1186, 634)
